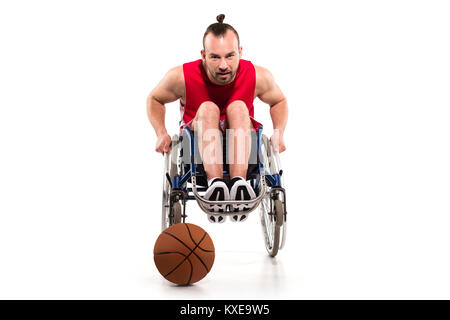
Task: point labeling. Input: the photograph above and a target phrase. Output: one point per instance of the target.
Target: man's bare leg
(206, 125)
(239, 150)
(238, 120)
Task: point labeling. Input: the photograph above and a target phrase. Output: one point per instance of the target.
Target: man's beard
(227, 79)
(218, 79)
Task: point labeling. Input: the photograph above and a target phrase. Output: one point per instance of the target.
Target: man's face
(221, 57)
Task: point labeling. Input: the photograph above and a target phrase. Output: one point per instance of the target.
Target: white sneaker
(241, 190)
(217, 191)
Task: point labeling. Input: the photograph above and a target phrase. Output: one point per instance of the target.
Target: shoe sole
(218, 207)
(240, 209)
(239, 217)
(216, 219)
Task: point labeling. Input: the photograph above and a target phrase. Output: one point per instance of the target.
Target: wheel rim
(165, 195)
(171, 169)
(271, 230)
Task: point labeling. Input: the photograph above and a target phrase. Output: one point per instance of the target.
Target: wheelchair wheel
(272, 211)
(171, 210)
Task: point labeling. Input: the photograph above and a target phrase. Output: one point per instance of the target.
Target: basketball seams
(190, 235)
(192, 250)
(198, 245)
(185, 258)
(168, 251)
(175, 252)
(192, 270)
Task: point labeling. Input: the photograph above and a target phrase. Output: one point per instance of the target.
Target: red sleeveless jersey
(199, 89)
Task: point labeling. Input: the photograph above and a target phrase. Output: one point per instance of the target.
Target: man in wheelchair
(216, 95)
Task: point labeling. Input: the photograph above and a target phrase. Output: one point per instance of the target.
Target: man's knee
(208, 110)
(237, 109)
(208, 113)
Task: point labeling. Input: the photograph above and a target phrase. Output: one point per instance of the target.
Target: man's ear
(240, 52)
(202, 53)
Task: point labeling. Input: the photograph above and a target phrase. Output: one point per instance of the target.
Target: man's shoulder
(262, 72)
(176, 73)
(264, 79)
(175, 79)
(179, 69)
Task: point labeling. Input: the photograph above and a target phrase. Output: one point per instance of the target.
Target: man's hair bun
(220, 18)
(219, 29)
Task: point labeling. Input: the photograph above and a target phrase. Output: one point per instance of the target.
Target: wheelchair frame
(268, 184)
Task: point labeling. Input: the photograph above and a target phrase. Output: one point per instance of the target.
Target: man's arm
(169, 89)
(268, 91)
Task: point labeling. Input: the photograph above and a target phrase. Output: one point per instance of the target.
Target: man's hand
(163, 143)
(278, 142)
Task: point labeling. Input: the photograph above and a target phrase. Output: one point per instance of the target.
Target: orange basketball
(184, 253)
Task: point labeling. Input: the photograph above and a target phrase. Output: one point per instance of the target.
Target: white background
(367, 160)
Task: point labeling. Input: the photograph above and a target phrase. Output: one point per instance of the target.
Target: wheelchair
(185, 180)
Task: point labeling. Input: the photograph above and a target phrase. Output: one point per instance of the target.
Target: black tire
(272, 210)
(271, 228)
(170, 169)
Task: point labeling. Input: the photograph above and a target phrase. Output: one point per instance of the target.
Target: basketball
(184, 253)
